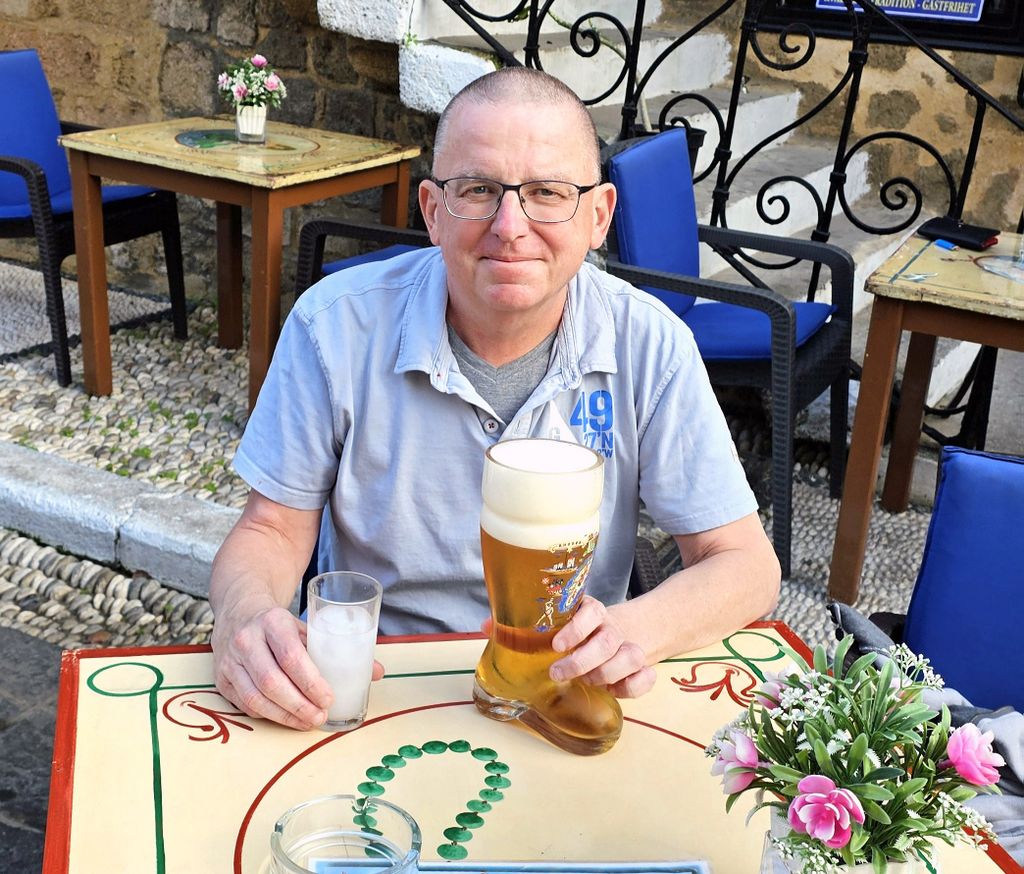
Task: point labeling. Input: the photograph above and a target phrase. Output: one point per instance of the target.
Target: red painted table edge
(57, 846)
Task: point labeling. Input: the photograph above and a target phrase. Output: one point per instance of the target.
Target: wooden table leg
(394, 200)
(865, 448)
(92, 275)
(906, 435)
(265, 308)
(229, 276)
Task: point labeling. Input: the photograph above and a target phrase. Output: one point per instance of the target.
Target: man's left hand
(600, 654)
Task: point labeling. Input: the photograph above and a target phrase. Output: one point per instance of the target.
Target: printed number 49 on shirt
(594, 416)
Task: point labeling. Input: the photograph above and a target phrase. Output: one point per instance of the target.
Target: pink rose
(970, 752)
(272, 83)
(770, 690)
(736, 761)
(824, 811)
(258, 61)
(240, 92)
(222, 80)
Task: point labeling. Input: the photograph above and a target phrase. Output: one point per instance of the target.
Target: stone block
(237, 22)
(29, 10)
(377, 61)
(280, 13)
(397, 122)
(299, 106)
(188, 79)
(35, 499)
(127, 17)
(892, 110)
(174, 539)
(330, 58)
(285, 49)
(182, 15)
(350, 110)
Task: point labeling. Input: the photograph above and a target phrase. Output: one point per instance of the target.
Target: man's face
(509, 264)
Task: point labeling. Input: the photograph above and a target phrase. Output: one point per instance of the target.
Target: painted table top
(990, 281)
(207, 147)
(156, 772)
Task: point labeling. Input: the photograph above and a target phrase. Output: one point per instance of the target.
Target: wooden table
(932, 292)
(153, 771)
(199, 156)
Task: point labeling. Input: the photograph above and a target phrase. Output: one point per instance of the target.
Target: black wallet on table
(968, 236)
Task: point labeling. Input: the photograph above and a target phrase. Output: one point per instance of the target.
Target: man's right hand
(262, 667)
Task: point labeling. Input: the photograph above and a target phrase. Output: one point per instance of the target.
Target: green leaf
(787, 775)
(878, 863)
(858, 748)
(910, 787)
(872, 791)
(883, 774)
(823, 758)
(963, 793)
(840, 656)
(730, 801)
(857, 668)
(820, 662)
(875, 812)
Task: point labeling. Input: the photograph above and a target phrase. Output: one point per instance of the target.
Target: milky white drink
(340, 635)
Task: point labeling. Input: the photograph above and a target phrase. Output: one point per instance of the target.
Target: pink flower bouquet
(252, 82)
(860, 769)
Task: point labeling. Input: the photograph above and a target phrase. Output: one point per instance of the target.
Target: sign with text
(950, 10)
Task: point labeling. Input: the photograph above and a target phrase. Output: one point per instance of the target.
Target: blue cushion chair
(966, 613)
(388, 242)
(747, 335)
(35, 196)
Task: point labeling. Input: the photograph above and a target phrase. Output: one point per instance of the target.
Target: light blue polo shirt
(364, 410)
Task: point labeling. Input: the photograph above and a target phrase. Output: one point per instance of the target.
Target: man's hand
(262, 667)
(601, 653)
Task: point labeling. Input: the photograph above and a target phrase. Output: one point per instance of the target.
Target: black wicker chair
(797, 353)
(38, 203)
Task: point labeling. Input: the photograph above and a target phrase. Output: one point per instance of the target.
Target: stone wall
(112, 63)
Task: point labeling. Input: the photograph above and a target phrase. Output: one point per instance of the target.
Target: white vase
(772, 863)
(251, 124)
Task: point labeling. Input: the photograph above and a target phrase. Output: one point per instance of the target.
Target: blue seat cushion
(727, 332)
(60, 202)
(967, 609)
(367, 257)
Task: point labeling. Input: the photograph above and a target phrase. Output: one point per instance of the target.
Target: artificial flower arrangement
(252, 82)
(861, 769)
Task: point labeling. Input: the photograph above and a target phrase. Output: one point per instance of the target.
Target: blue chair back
(656, 214)
(31, 127)
(967, 610)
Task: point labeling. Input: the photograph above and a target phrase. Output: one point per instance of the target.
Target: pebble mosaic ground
(174, 419)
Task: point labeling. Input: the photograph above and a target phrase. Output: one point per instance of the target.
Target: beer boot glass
(538, 530)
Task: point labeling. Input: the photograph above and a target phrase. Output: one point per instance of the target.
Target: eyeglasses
(467, 197)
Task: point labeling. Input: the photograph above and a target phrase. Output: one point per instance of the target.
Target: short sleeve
(691, 479)
(292, 442)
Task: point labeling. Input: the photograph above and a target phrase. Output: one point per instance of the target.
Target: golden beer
(538, 530)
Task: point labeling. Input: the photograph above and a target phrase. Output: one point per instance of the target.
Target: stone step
(432, 71)
(401, 21)
(761, 108)
(810, 162)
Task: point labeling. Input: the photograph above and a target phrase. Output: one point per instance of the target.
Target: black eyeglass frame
(505, 188)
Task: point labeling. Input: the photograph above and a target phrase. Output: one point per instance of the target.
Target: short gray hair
(521, 85)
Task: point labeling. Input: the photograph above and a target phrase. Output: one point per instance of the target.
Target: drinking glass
(343, 609)
(345, 834)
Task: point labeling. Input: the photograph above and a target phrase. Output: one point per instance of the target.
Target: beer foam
(544, 456)
(541, 494)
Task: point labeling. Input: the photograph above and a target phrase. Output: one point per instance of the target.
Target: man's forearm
(703, 603)
(261, 561)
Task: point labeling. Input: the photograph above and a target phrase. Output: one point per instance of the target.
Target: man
(392, 379)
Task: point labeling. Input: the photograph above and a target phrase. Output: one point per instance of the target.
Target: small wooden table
(199, 156)
(932, 292)
(154, 771)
